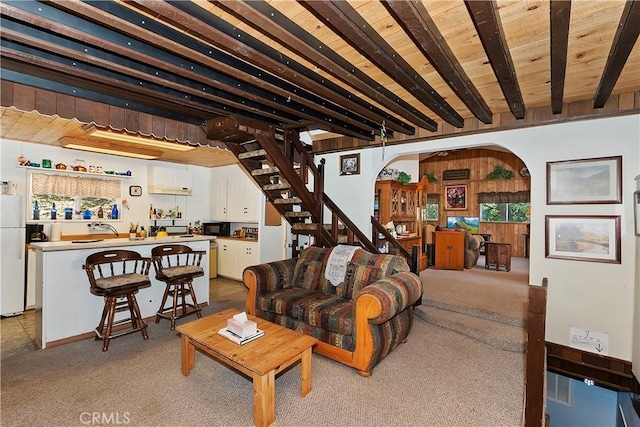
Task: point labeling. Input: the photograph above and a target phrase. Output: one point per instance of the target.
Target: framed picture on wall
(596, 180)
(455, 197)
(350, 164)
(583, 238)
(636, 211)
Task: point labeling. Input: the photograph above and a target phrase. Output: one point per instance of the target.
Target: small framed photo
(636, 211)
(350, 164)
(585, 181)
(583, 238)
(455, 197)
(135, 190)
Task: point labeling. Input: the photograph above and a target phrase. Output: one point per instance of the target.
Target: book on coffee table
(237, 338)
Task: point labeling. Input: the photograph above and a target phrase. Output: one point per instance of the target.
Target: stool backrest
(114, 263)
(167, 256)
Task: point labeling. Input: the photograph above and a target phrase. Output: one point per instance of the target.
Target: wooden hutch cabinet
(449, 246)
(397, 202)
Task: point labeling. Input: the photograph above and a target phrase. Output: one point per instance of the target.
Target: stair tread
(265, 171)
(279, 186)
(303, 214)
(288, 201)
(251, 154)
(504, 336)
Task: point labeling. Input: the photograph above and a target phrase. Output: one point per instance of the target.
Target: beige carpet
(438, 378)
(488, 305)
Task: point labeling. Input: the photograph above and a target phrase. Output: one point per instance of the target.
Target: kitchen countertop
(67, 245)
(244, 239)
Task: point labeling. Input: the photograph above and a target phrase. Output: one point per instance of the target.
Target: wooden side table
(498, 255)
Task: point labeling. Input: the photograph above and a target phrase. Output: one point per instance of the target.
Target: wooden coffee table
(261, 359)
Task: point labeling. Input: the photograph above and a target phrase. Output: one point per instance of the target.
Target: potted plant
(404, 178)
(499, 172)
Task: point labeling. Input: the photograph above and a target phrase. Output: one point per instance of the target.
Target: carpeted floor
(438, 378)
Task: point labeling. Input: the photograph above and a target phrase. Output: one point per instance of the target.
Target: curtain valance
(505, 197)
(71, 186)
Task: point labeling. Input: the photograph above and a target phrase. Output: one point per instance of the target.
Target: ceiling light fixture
(96, 132)
(110, 148)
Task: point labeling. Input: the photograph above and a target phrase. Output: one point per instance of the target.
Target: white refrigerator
(12, 255)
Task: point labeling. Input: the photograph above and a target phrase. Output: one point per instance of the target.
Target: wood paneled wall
(480, 162)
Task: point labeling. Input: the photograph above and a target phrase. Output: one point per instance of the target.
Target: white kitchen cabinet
(235, 197)
(169, 181)
(236, 255)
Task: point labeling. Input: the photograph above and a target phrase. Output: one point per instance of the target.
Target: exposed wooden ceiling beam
(489, 27)
(345, 21)
(559, 16)
(268, 20)
(109, 34)
(417, 23)
(196, 21)
(624, 40)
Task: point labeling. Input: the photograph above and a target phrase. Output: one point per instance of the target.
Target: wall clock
(135, 190)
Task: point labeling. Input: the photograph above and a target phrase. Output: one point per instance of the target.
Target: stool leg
(100, 329)
(164, 301)
(138, 316)
(111, 301)
(134, 318)
(174, 311)
(196, 306)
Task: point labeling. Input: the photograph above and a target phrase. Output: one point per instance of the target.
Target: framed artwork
(135, 190)
(455, 197)
(583, 238)
(350, 164)
(636, 211)
(585, 181)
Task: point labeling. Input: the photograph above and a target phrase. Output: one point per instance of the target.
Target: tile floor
(18, 332)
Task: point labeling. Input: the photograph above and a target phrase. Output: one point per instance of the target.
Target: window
(77, 193)
(505, 207)
(559, 388)
(505, 212)
(432, 207)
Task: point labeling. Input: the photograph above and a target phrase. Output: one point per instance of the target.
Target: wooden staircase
(284, 170)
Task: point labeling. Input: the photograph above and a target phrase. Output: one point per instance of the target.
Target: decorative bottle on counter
(54, 212)
(36, 210)
(114, 211)
(100, 212)
(142, 233)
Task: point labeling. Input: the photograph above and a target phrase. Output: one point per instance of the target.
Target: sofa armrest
(393, 294)
(263, 278)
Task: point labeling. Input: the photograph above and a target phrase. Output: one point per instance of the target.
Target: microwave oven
(216, 228)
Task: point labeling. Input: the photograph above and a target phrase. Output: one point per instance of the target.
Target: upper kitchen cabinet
(234, 196)
(164, 180)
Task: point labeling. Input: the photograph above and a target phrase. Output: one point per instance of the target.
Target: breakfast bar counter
(65, 309)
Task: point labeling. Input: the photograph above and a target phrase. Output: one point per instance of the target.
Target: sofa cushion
(388, 264)
(285, 301)
(326, 311)
(357, 277)
(309, 271)
(307, 274)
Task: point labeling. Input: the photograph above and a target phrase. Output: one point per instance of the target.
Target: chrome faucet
(94, 225)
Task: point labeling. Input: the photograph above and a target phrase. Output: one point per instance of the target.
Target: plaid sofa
(358, 322)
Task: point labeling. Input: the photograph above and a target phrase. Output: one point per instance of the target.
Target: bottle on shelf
(100, 212)
(178, 213)
(87, 214)
(150, 211)
(114, 211)
(36, 210)
(54, 212)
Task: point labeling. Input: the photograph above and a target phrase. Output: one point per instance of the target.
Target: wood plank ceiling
(358, 68)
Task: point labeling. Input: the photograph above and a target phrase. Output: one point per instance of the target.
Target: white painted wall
(589, 295)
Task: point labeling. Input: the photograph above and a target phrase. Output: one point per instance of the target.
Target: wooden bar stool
(177, 266)
(117, 276)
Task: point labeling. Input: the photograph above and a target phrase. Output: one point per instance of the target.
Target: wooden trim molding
(606, 371)
(535, 369)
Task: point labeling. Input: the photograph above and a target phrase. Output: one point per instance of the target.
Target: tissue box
(242, 329)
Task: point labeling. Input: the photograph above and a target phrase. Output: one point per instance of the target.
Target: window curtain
(433, 199)
(71, 186)
(515, 197)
